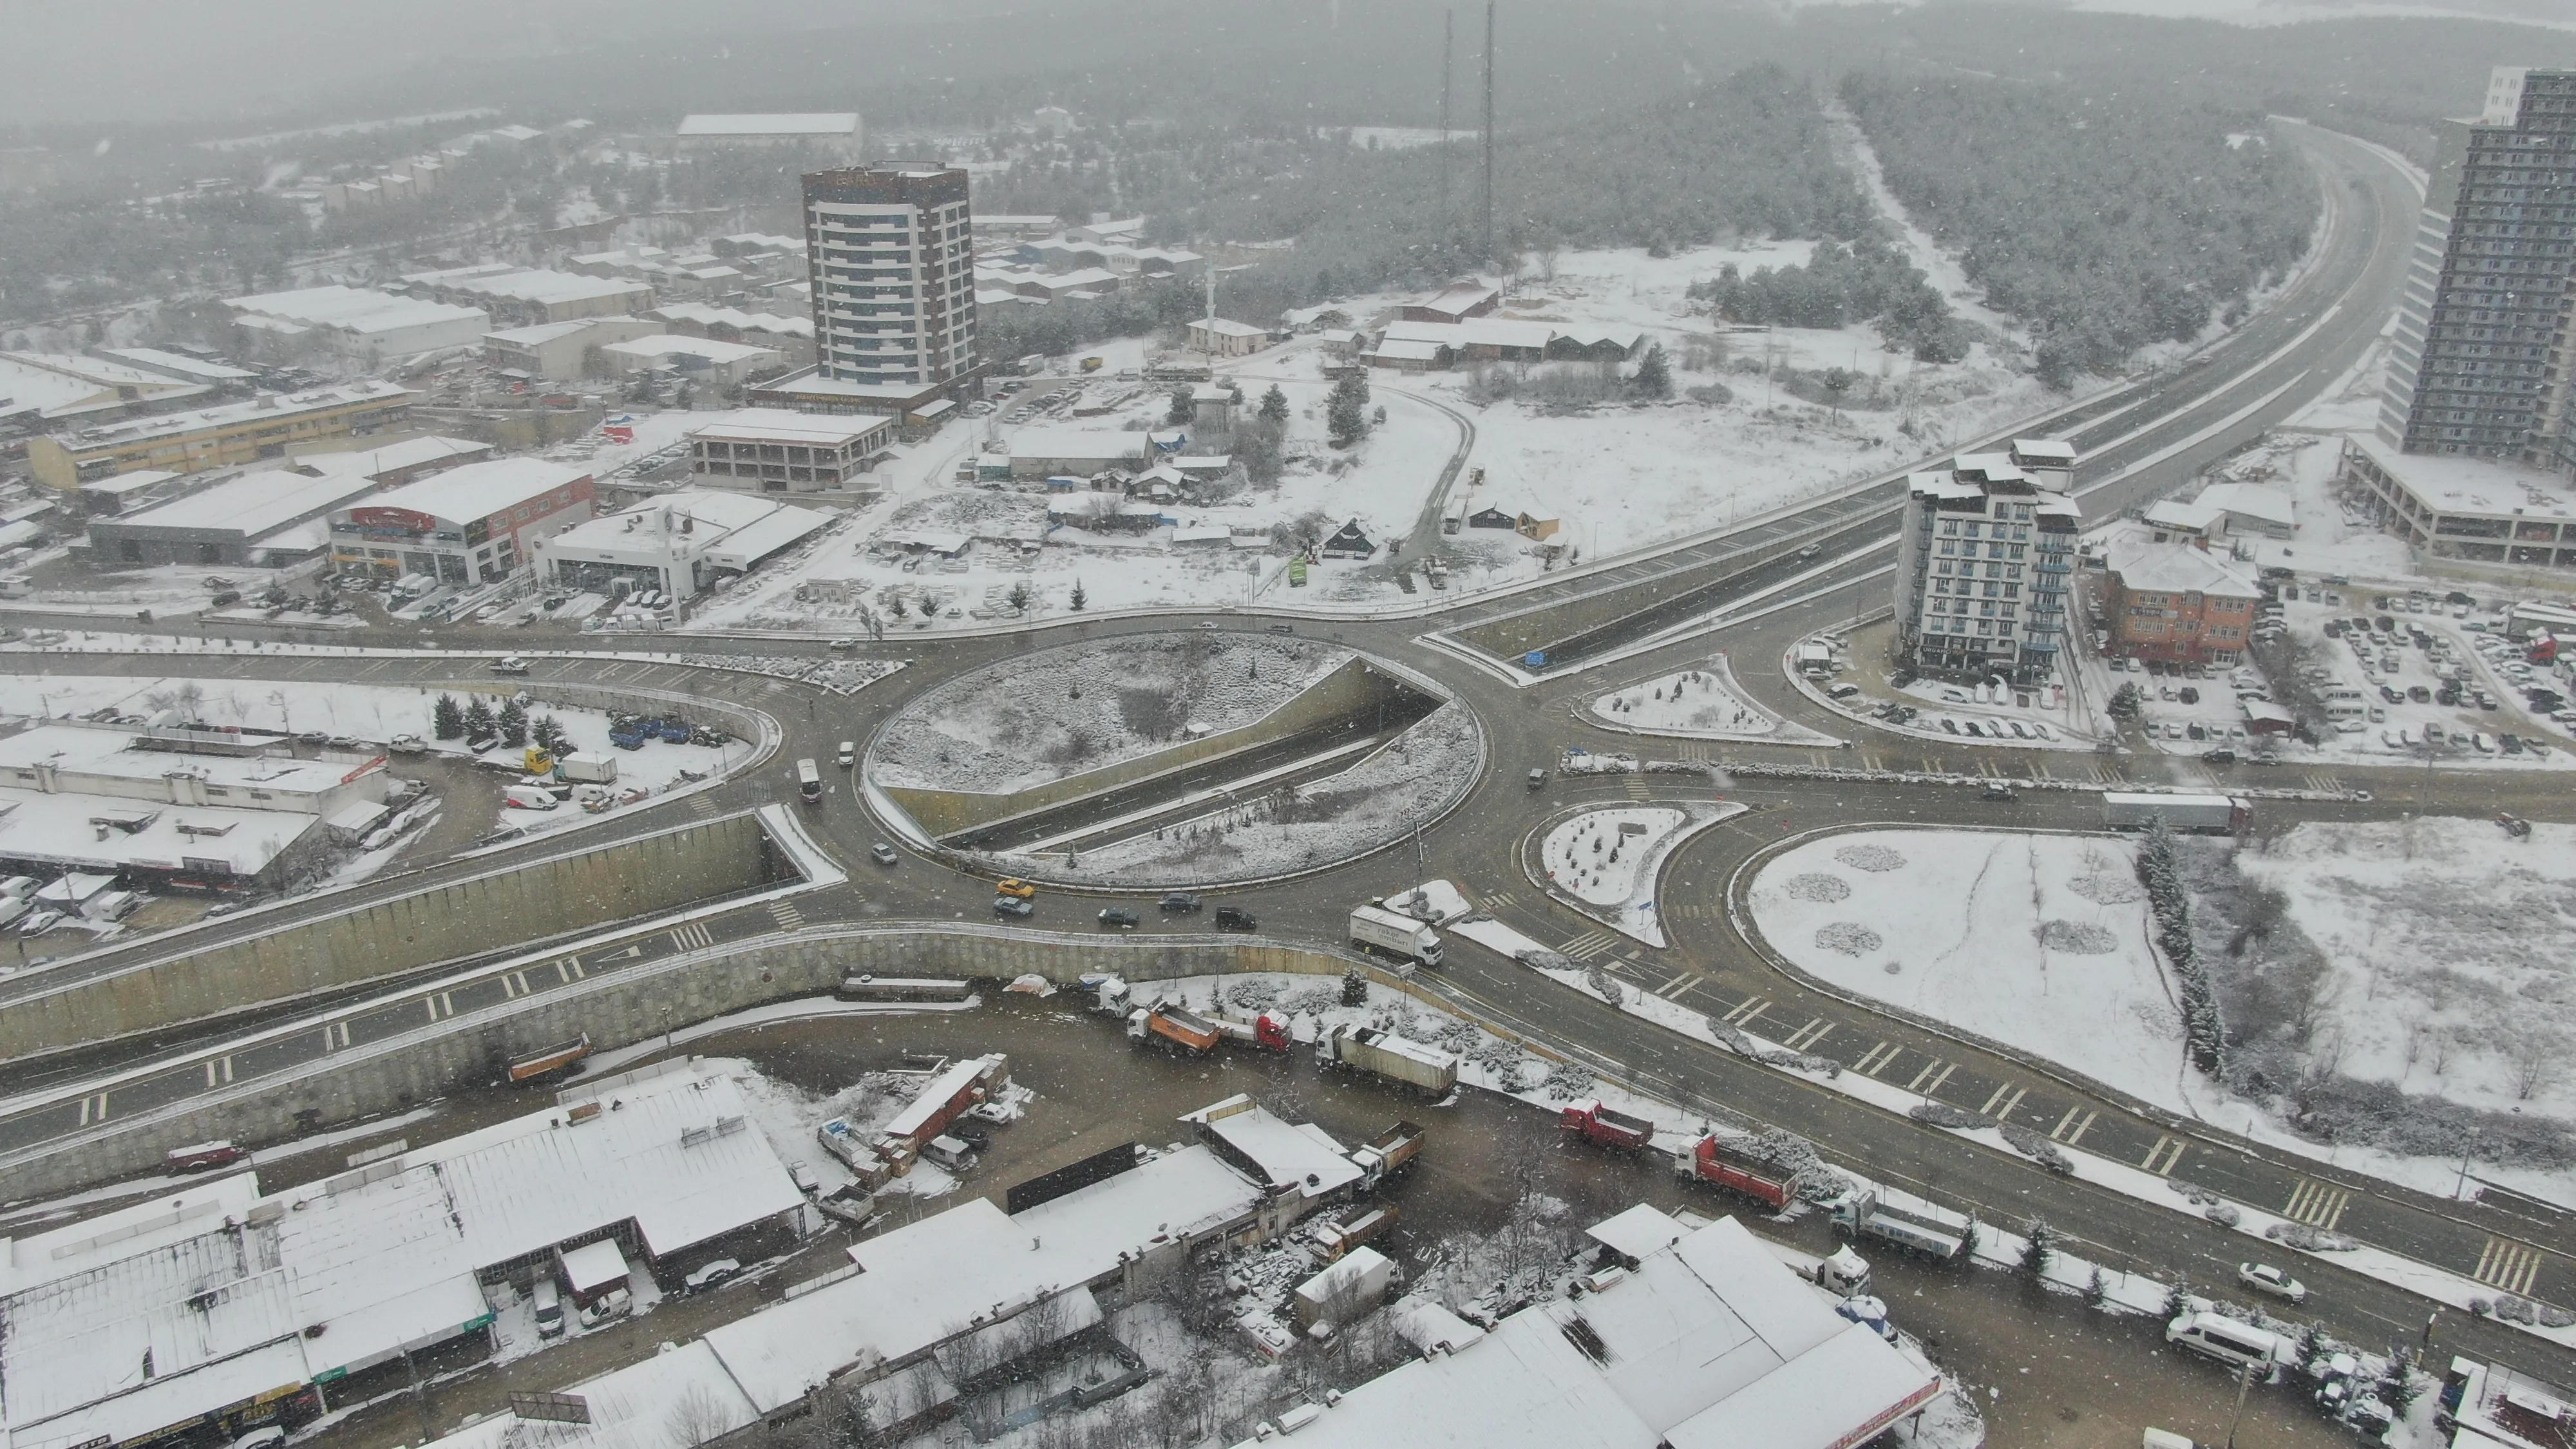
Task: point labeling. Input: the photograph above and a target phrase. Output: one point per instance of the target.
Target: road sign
(1296, 573)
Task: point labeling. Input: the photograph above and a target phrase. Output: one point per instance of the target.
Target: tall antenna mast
(1448, 45)
(1210, 264)
(1489, 130)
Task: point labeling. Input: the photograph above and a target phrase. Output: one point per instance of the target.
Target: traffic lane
(2105, 1226)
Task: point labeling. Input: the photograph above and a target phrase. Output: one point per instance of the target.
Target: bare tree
(2531, 1048)
(695, 1418)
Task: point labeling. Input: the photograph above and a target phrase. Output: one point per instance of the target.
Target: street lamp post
(2468, 1144)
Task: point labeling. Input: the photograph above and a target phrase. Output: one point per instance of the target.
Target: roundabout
(1201, 757)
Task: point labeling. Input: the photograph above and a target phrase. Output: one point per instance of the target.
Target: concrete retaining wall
(509, 908)
(468, 1051)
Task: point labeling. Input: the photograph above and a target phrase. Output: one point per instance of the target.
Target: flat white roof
(361, 310)
(267, 405)
(479, 490)
(594, 1265)
(56, 827)
(2178, 568)
(105, 751)
(669, 344)
(778, 425)
(61, 386)
(1089, 444)
(529, 284)
(254, 504)
(1297, 1155)
(539, 335)
(2252, 500)
(1221, 326)
(792, 123)
(154, 359)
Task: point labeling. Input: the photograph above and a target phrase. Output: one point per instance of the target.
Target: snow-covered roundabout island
(1703, 702)
(1188, 758)
(1610, 859)
(2039, 943)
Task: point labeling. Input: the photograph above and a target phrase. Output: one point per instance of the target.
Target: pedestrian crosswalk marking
(2000, 1105)
(693, 936)
(2508, 1265)
(1743, 1015)
(702, 805)
(2070, 1129)
(1932, 1087)
(2317, 1204)
(786, 914)
(1806, 1037)
(1500, 898)
(1636, 786)
(2327, 783)
(1589, 945)
(2165, 1156)
(1877, 1059)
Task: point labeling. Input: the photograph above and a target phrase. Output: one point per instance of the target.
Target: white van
(527, 797)
(111, 905)
(2238, 1345)
(2346, 709)
(2341, 692)
(549, 1304)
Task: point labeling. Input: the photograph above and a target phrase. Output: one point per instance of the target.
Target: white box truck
(2205, 814)
(1375, 928)
(587, 769)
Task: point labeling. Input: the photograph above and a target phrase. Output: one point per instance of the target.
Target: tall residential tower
(890, 252)
(2484, 359)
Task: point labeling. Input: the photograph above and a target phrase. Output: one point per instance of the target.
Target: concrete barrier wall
(1352, 687)
(469, 1051)
(543, 899)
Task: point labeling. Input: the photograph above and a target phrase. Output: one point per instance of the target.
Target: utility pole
(1489, 131)
(1448, 46)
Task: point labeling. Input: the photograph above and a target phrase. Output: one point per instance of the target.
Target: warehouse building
(721, 365)
(679, 543)
(469, 525)
(835, 134)
(560, 351)
(255, 1309)
(267, 426)
(359, 324)
(529, 296)
(766, 450)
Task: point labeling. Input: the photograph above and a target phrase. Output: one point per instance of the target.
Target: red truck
(1265, 1030)
(1603, 1127)
(1739, 1168)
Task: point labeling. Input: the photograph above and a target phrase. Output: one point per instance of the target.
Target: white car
(2264, 1278)
(715, 1273)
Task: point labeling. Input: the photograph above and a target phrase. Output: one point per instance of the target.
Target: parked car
(2266, 1279)
(1118, 918)
(1997, 791)
(1180, 903)
(711, 1274)
(1019, 888)
(1235, 918)
(1020, 906)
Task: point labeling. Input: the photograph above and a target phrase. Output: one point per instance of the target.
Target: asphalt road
(2144, 440)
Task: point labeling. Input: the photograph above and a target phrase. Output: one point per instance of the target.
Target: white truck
(588, 769)
(1911, 1223)
(1385, 1054)
(2206, 814)
(1375, 928)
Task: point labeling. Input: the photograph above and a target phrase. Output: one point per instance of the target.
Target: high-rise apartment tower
(2483, 362)
(891, 256)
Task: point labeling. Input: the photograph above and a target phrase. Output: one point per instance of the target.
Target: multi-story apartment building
(890, 253)
(2177, 602)
(1982, 566)
(2484, 358)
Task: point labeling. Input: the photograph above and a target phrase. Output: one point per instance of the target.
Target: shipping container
(2204, 814)
(1375, 928)
(1369, 1050)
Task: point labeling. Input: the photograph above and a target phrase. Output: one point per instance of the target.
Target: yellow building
(221, 437)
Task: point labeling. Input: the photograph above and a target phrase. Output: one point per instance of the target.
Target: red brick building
(2179, 603)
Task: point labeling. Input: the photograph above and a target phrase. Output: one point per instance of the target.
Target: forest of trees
(1749, 154)
(1868, 280)
(2103, 222)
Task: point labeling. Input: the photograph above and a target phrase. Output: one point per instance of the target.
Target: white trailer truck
(1911, 1223)
(2206, 814)
(1369, 1050)
(1375, 928)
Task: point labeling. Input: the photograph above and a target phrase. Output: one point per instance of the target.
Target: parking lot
(2421, 677)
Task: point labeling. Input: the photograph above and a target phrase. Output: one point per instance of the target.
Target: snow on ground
(2448, 945)
(176, 589)
(1699, 703)
(1084, 706)
(2047, 717)
(2039, 942)
(1406, 783)
(1613, 859)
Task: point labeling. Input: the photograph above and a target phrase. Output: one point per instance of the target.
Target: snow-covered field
(2449, 947)
(1084, 706)
(1699, 703)
(1611, 859)
(2038, 942)
(1408, 782)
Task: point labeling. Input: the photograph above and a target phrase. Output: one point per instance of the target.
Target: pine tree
(1274, 405)
(1346, 411)
(1180, 410)
(478, 719)
(894, 606)
(513, 723)
(2039, 1248)
(2177, 1297)
(1354, 987)
(1020, 595)
(1080, 598)
(2097, 1294)
(548, 732)
(1654, 377)
(447, 718)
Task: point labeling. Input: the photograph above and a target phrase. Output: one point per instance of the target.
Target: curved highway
(2138, 441)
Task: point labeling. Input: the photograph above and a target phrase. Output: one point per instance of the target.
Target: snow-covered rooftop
(784, 123)
(268, 406)
(2251, 500)
(2177, 568)
(73, 749)
(529, 284)
(778, 425)
(62, 828)
(477, 491)
(256, 503)
(673, 344)
(1297, 1156)
(2473, 485)
(1639, 1232)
